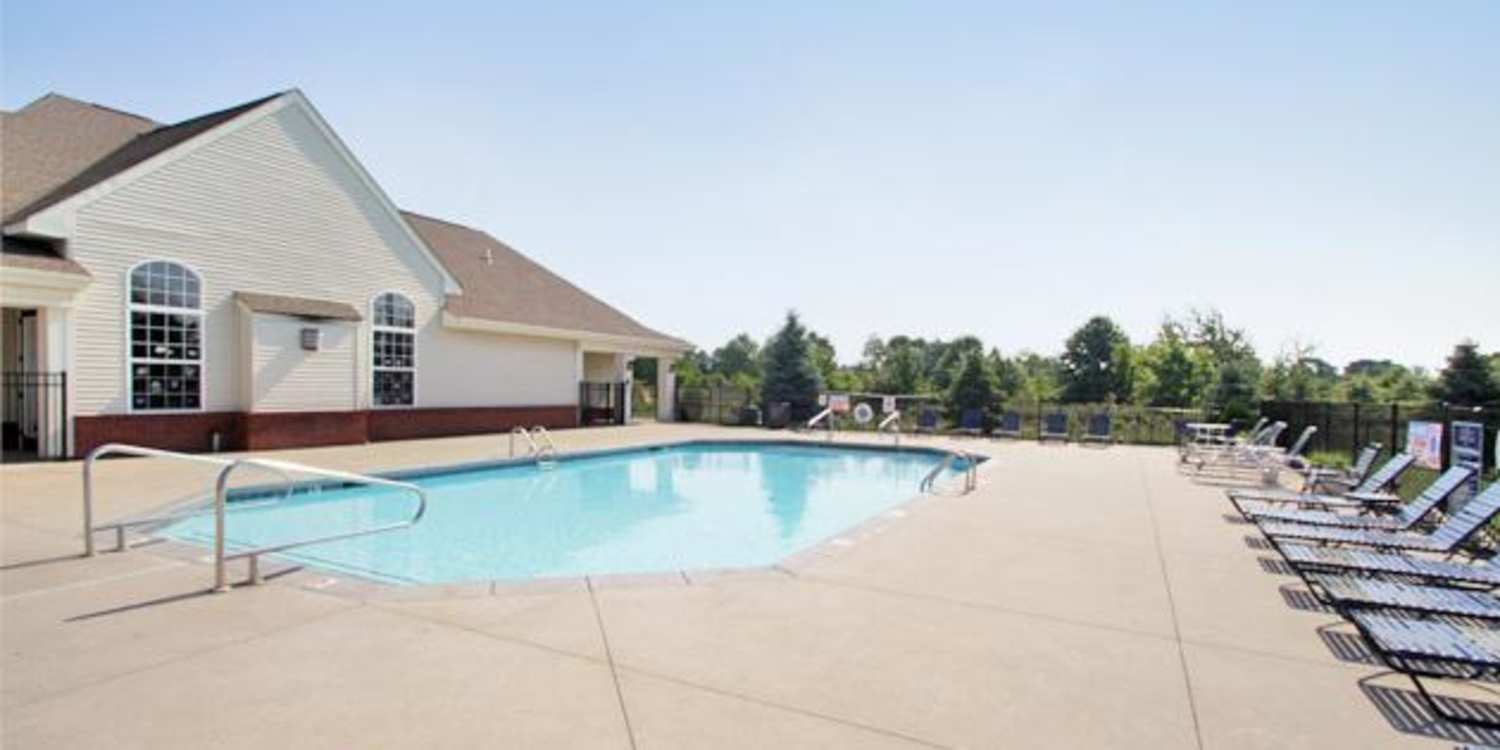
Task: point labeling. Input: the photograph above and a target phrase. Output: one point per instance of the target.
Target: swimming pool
(664, 508)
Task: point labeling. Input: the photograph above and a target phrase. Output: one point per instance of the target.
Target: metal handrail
(221, 582)
(894, 417)
(123, 449)
(823, 416)
(548, 449)
(971, 471)
(519, 430)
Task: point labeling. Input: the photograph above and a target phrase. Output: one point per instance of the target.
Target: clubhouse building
(239, 281)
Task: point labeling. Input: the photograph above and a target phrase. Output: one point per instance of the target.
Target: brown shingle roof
(298, 307)
(16, 252)
(49, 141)
(127, 155)
(511, 288)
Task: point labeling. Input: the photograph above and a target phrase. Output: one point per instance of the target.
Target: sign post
(1468, 450)
(1424, 440)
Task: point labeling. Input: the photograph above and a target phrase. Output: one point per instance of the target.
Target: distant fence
(1344, 427)
(715, 404)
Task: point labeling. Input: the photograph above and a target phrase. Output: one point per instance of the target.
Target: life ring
(863, 413)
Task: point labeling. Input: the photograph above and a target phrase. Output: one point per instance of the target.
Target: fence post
(1354, 449)
(1395, 426)
(1447, 439)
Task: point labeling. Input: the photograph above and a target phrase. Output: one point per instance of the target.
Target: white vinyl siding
(285, 377)
(269, 207)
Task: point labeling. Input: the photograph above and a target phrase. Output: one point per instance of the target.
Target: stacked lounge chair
(1423, 617)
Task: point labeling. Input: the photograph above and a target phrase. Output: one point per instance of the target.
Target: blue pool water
(694, 506)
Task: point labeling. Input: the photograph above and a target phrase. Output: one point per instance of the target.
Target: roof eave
(607, 341)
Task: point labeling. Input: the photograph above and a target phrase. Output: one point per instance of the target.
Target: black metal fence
(1345, 427)
(601, 403)
(717, 404)
(33, 415)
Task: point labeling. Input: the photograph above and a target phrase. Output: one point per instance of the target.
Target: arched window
(166, 337)
(395, 350)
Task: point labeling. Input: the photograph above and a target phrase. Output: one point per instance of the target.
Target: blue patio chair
(1447, 538)
(970, 422)
(1054, 427)
(1435, 495)
(1008, 426)
(927, 420)
(1100, 429)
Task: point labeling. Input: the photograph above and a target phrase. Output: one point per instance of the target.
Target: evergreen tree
(973, 387)
(1468, 378)
(789, 372)
(1097, 363)
(1234, 392)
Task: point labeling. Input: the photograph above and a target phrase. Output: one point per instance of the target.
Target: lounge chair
(1406, 517)
(927, 421)
(1373, 490)
(1455, 530)
(1241, 454)
(1306, 559)
(970, 422)
(1100, 429)
(1009, 425)
(1345, 592)
(1439, 646)
(1054, 427)
(1321, 478)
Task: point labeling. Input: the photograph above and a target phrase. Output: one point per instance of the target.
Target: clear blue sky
(1321, 171)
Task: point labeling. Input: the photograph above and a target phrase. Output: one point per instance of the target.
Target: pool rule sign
(1468, 450)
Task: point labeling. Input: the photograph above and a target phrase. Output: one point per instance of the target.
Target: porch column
(666, 390)
(622, 371)
(55, 405)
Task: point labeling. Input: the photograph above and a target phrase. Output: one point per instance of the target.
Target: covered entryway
(33, 399)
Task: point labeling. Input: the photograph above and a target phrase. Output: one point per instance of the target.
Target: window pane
(393, 388)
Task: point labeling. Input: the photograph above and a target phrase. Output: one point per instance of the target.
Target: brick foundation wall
(193, 433)
(188, 433)
(272, 430)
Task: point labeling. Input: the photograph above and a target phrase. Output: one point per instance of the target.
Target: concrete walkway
(1081, 596)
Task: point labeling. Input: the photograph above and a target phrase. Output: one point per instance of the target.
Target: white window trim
(374, 368)
(129, 358)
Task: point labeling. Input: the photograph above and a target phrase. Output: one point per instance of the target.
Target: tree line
(1196, 360)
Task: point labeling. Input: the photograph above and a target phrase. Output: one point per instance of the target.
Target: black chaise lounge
(1306, 559)
(1374, 491)
(1434, 646)
(1324, 479)
(1054, 427)
(1455, 530)
(1406, 517)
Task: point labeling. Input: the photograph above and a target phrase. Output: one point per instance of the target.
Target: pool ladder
(538, 444)
(227, 467)
(971, 471)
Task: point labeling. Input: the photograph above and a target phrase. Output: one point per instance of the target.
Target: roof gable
(47, 213)
(51, 140)
(500, 284)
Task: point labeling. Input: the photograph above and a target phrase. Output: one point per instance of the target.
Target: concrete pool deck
(1079, 596)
